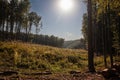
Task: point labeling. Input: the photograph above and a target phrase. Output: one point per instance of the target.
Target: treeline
(17, 23)
(101, 28)
(36, 39)
(48, 40)
(15, 17)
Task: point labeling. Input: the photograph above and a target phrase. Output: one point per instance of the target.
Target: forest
(20, 27)
(25, 54)
(102, 31)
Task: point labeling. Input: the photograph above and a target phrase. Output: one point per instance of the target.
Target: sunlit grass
(39, 57)
(26, 57)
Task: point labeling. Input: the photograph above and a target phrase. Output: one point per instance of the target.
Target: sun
(66, 5)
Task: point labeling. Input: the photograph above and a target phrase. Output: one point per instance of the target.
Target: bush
(52, 58)
(63, 64)
(23, 65)
(73, 59)
(82, 58)
(42, 66)
(79, 65)
(97, 63)
(7, 50)
(33, 67)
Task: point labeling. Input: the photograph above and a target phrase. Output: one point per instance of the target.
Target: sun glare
(66, 5)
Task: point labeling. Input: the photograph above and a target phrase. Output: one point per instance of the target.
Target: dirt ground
(80, 76)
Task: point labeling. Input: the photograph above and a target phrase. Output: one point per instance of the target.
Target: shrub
(42, 66)
(63, 64)
(97, 62)
(73, 59)
(23, 65)
(79, 65)
(52, 58)
(33, 67)
(8, 50)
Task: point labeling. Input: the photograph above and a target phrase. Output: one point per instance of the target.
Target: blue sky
(56, 22)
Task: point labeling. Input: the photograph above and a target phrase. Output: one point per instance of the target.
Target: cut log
(117, 67)
(42, 73)
(8, 73)
(108, 73)
(74, 72)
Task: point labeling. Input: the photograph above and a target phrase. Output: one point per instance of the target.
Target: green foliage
(108, 16)
(84, 27)
(17, 18)
(104, 32)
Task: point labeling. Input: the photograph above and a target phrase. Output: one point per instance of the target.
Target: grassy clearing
(31, 57)
(26, 57)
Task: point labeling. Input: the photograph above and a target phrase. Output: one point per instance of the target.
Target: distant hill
(74, 44)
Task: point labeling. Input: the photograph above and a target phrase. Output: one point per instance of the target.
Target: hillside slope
(38, 62)
(74, 44)
(25, 56)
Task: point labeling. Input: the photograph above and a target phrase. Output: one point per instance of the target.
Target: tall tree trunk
(90, 42)
(94, 28)
(109, 35)
(104, 39)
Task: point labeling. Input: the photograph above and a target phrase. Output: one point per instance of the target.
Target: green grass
(26, 57)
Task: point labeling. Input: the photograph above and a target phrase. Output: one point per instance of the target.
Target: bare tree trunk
(90, 42)
(104, 39)
(110, 36)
